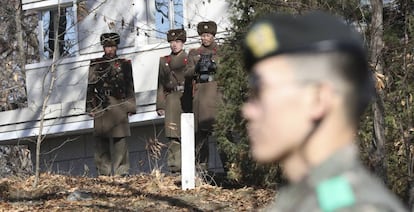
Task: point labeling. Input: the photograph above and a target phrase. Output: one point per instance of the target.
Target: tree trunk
(20, 43)
(21, 60)
(52, 72)
(408, 139)
(377, 44)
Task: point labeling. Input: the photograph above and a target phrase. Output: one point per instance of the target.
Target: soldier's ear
(322, 97)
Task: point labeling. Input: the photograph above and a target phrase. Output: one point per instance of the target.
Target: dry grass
(150, 192)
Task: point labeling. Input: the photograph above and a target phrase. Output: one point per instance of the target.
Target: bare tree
(52, 72)
(406, 126)
(18, 45)
(19, 35)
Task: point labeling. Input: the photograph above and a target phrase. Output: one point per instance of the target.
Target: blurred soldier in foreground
(202, 66)
(310, 83)
(110, 99)
(170, 94)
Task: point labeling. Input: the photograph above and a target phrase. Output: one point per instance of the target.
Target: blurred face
(176, 46)
(207, 39)
(278, 112)
(110, 51)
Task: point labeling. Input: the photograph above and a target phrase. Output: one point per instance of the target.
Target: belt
(179, 88)
(204, 78)
(108, 92)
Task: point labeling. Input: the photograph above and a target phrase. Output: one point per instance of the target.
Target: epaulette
(193, 51)
(167, 59)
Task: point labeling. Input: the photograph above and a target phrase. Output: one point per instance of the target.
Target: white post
(187, 151)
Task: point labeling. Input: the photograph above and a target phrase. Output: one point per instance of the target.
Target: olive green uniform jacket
(110, 96)
(170, 91)
(339, 184)
(206, 96)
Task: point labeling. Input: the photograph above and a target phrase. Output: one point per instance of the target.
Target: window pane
(162, 19)
(70, 34)
(66, 32)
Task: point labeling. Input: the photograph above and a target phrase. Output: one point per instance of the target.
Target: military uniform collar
(109, 58)
(176, 54)
(212, 47)
(343, 160)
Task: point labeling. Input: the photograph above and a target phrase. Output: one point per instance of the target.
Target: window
(164, 20)
(62, 21)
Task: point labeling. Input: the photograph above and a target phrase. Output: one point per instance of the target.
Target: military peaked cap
(176, 34)
(207, 27)
(286, 34)
(110, 39)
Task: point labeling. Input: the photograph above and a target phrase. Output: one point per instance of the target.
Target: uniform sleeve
(160, 89)
(90, 91)
(192, 61)
(129, 87)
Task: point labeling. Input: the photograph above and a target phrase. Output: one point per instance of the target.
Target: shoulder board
(335, 193)
(184, 53)
(167, 58)
(163, 59)
(193, 51)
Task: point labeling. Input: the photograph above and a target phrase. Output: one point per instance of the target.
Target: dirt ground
(149, 192)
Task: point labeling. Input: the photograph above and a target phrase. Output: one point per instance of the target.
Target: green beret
(286, 34)
(110, 39)
(176, 34)
(207, 27)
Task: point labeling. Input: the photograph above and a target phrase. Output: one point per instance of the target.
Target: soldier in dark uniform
(310, 83)
(170, 94)
(202, 66)
(110, 99)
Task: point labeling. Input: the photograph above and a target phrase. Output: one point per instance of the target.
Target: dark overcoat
(171, 78)
(206, 95)
(110, 96)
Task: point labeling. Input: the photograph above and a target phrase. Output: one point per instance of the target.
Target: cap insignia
(262, 40)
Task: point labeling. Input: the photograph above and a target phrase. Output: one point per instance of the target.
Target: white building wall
(200, 10)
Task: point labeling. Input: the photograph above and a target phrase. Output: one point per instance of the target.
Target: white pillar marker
(187, 151)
